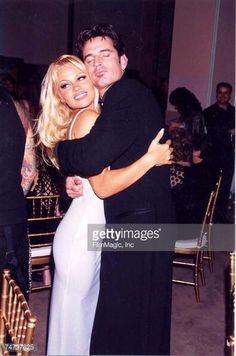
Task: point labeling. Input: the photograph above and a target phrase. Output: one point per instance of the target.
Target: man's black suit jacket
(130, 119)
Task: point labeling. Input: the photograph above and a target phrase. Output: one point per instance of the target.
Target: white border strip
(213, 52)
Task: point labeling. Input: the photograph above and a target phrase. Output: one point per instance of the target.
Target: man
(14, 244)
(220, 124)
(134, 306)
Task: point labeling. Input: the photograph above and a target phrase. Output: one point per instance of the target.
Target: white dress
(76, 280)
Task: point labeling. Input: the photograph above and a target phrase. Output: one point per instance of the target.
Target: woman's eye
(81, 77)
(64, 86)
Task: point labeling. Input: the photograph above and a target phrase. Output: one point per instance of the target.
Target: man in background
(220, 124)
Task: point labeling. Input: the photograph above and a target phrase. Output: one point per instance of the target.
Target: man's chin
(101, 83)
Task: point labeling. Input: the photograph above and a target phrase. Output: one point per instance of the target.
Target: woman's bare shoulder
(88, 114)
(84, 122)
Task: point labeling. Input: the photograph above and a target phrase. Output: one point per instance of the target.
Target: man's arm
(114, 131)
(28, 170)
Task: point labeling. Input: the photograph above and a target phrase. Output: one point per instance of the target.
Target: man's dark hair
(101, 30)
(224, 84)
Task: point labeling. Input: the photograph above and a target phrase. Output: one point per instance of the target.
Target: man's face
(104, 65)
(223, 96)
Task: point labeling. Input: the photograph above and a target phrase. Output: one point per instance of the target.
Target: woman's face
(75, 87)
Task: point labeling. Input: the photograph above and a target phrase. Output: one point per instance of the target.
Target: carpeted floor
(197, 328)
(200, 328)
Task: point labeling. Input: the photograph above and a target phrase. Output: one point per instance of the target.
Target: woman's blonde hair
(55, 116)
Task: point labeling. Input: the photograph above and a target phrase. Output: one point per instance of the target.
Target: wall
(146, 28)
(224, 69)
(40, 30)
(203, 42)
(35, 30)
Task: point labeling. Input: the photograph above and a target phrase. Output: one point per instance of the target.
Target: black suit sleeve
(113, 133)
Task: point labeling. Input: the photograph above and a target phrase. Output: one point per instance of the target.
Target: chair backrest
(43, 207)
(16, 319)
(216, 192)
(44, 216)
(209, 213)
(206, 221)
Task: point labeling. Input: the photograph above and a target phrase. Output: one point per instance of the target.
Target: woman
(189, 109)
(191, 175)
(182, 190)
(69, 110)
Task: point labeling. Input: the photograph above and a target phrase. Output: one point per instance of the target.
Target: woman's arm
(110, 182)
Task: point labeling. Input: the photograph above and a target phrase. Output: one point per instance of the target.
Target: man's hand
(161, 153)
(74, 187)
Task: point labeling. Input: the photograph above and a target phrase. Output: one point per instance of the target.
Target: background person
(14, 244)
(191, 173)
(220, 124)
(189, 109)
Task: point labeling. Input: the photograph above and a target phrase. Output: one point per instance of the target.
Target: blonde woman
(69, 109)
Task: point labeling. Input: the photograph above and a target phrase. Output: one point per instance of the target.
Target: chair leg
(47, 277)
(3, 310)
(201, 268)
(196, 284)
(210, 260)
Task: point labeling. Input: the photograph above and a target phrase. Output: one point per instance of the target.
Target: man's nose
(97, 60)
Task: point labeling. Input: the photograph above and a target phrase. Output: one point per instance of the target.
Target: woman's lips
(80, 96)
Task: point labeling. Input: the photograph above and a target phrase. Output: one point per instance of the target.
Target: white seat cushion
(191, 244)
(41, 251)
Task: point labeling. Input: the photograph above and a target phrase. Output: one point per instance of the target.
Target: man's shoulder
(7, 105)
(132, 95)
(232, 108)
(4, 96)
(210, 109)
(130, 91)
(128, 84)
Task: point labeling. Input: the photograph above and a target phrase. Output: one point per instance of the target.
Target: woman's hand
(160, 153)
(74, 187)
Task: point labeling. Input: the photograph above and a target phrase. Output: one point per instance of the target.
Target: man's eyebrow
(88, 55)
(106, 50)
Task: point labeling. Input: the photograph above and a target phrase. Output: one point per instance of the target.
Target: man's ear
(123, 61)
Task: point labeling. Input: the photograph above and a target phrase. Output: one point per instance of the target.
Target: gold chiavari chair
(44, 216)
(209, 254)
(17, 323)
(193, 249)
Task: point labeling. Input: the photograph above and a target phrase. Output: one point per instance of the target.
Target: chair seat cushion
(41, 251)
(191, 244)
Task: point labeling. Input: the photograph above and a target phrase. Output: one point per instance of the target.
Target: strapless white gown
(76, 280)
